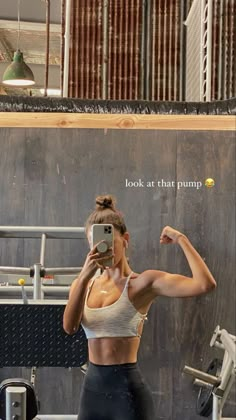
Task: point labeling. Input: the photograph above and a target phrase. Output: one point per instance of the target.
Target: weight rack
(46, 344)
(218, 385)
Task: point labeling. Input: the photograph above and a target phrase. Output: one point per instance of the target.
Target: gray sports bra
(120, 319)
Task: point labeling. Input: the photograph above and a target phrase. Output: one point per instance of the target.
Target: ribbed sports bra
(120, 319)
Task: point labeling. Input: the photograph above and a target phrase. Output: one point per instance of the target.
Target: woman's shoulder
(140, 280)
(140, 290)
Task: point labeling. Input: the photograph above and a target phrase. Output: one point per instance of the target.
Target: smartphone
(103, 232)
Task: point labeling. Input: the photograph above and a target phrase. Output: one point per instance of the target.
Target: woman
(112, 308)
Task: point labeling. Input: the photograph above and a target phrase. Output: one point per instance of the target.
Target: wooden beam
(118, 121)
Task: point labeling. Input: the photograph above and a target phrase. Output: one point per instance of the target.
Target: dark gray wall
(51, 177)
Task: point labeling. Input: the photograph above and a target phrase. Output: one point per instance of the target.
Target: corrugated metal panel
(224, 47)
(134, 49)
(164, 57)
(124, 49)
(86, 49)
(133, 53)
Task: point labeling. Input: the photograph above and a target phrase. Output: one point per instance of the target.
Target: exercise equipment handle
(213, 380)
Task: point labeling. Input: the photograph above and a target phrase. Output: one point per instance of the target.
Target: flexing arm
(176, 285)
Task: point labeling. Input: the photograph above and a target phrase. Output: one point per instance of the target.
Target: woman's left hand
(170, 235)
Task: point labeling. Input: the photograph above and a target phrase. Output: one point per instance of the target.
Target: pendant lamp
(18, 73)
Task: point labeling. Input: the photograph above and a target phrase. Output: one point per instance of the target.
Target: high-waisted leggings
(115, 392)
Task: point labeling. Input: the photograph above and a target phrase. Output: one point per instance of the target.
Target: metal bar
(62, 44)
(51, 232)
(175, 71)
(214, 47)
(219, 63)
(46, 289)
(136, 51)
(70, 54)
(75, 51)
(219, 345)
(216, 409)
(225, 360)
(169, 52)
(164, 52)
(37, 282)
(56, 417)
(33, 375)
(131, 50)
(67, 47)
(224, 52)
(88, 46)
(229, 345)
(14, 270)
(234, 55)
(105, 50)
(98, 51)
(47, 47)
(92, 50)
(15, 403)
(48, 271)
(142, 52)
(182, 46)
(209, 50)
(81, 7)
(154, 30)
(34, 302)
(148, 46)
(214, 380)
(115, 40)
(202, 55)
(228, 388)
(42, 250)
(125, 65)
(200, 383)
(73, 68)
(231, 17)
(159, 53)
(62, 270)
(121, 43)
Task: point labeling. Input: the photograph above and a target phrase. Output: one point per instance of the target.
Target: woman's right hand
(93, 261)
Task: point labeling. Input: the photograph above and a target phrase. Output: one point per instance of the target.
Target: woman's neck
(120, 270)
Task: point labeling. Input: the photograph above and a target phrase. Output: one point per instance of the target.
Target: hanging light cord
(18, 38)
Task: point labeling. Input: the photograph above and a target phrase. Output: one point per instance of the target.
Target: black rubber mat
(32, 335)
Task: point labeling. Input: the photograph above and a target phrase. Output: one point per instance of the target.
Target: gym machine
(46, 344)
(216, 384)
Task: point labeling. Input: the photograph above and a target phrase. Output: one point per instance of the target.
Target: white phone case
(103, 232)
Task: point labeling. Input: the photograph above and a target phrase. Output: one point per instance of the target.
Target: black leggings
(115, 392)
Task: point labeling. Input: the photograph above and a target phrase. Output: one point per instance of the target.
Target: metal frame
(222, 384)
(38, 271)
(16, 396)
(202, 91)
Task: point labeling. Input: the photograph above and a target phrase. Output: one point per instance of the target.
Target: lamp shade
(18, 73)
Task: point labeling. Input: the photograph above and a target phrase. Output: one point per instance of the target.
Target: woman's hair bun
(105, 202)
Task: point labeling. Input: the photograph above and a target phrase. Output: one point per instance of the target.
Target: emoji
(209, 182)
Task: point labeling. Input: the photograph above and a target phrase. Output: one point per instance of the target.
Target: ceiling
(32, 39)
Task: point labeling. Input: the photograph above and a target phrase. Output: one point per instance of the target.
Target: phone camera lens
(107, 229)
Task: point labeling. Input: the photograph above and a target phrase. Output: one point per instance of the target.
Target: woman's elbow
(68, 327)
(211, 285)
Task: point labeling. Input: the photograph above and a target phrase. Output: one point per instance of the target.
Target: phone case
(103, 232)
